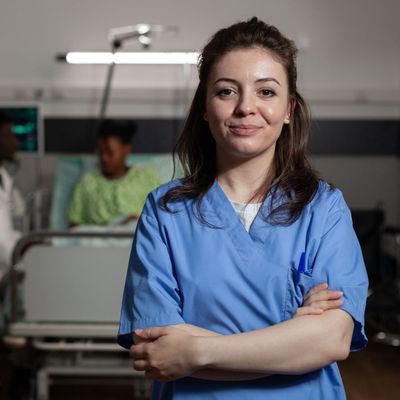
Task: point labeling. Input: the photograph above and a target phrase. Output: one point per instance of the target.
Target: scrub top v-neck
(214, 274)
(246, 212)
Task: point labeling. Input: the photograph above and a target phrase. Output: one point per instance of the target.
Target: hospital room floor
(372, 374)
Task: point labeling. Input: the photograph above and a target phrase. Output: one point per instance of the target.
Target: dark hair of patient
(123, 130)
(293, 176)
(5, 119)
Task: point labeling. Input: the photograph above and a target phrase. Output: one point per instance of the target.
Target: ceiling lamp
(130, 57)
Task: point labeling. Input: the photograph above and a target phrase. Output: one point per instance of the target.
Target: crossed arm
(318, 335)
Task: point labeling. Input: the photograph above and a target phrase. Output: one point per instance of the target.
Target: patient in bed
(114, 194)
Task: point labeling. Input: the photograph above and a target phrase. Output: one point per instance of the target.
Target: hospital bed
(65, 291)
(380, 245)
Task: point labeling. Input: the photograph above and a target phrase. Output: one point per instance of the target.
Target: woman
(116, 193)
(211, 303)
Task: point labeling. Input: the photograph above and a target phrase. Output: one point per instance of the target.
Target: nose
(246, 104)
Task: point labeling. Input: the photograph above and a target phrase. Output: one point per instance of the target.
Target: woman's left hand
(318, 300)
(164, 353)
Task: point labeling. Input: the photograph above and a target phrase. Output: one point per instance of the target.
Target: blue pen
(302, 266)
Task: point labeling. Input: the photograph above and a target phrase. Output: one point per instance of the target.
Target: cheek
(216, 126)
(217, 114)
(275, 115)
(120, 157)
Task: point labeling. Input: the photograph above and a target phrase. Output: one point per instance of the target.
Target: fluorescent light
(132, 58)
(89, 58)
(155, 58)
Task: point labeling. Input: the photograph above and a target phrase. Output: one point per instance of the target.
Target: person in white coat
(11, 202)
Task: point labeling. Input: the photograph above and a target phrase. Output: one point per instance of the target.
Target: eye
(267, 93)
(226, 92)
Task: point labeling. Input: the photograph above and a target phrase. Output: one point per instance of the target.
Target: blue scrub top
(218, 276)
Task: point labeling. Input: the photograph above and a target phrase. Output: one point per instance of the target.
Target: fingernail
(138, 331)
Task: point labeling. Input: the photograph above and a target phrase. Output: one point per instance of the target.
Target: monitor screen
(25, 120)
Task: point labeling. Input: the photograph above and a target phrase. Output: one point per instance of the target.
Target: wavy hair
(294, 182)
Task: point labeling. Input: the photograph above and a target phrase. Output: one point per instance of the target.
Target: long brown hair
(294, 182)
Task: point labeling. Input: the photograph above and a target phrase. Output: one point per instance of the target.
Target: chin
(246, 151)
(105, 171)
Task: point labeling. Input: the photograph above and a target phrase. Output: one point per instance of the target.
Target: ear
(128, 149)
(205, 117)
(289, 113)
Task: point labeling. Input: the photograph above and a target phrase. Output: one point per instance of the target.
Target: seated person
(116, 193)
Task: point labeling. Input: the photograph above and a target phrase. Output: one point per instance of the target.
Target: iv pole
(142, 32)
(118, 36)
(116, 44)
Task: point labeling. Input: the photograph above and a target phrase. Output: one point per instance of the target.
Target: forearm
(195, 330)
(212, 374)
(305, 343)
(293, 347)
(216, 374)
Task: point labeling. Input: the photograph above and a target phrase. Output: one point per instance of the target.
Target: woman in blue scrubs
(225, 295)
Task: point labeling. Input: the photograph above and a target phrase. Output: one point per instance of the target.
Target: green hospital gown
(98, 201)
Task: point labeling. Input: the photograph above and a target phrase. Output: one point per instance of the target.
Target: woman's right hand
(129, 219)
(318, 300)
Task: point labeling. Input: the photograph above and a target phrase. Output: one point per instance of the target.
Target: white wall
(350, 45)
(349, 52)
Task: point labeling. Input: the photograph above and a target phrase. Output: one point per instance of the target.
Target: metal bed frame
(68, 347)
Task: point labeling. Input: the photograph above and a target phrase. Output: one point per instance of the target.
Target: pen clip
(302, 267)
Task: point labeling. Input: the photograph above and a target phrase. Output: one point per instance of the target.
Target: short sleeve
(339, 262)
(75, 209)
(151, 295)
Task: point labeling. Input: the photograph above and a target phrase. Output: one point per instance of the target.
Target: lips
(244, 129)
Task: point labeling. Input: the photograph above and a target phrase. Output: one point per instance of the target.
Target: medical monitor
(26, 126)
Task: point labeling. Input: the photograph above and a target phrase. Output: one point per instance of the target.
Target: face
(247, 104)
(112, 153)
(8, 143)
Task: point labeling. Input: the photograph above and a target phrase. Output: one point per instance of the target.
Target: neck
(241, 180)
(116, 174)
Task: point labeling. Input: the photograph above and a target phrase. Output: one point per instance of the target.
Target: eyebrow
(269, 79)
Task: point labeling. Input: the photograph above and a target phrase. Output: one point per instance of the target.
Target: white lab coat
(11, 206)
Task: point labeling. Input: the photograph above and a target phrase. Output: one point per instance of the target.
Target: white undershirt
(246, 212)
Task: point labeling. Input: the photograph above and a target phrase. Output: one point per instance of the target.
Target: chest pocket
(297, 288)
